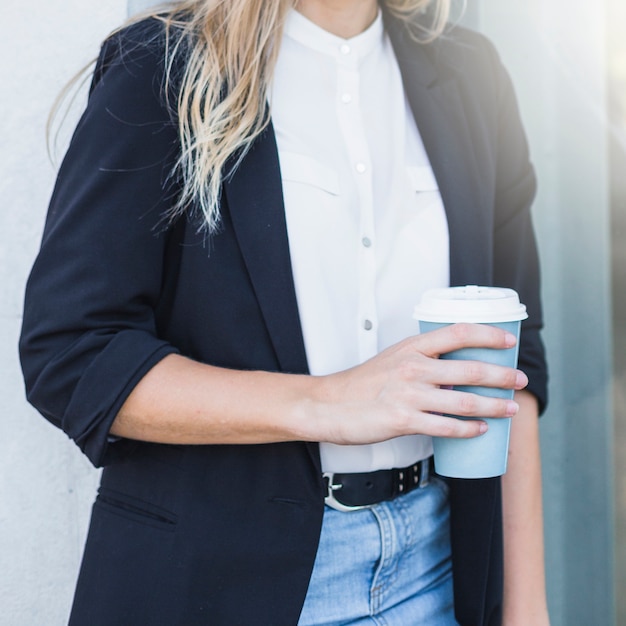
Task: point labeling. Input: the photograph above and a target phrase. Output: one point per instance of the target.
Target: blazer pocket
(136, 510)
(299, 168)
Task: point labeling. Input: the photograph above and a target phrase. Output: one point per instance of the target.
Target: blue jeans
(388, 565)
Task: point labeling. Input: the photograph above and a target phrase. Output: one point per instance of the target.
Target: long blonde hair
(230, 47)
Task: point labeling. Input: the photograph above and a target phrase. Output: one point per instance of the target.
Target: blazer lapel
(255, 200)
(432, 88)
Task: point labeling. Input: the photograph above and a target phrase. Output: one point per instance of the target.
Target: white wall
(45, 484)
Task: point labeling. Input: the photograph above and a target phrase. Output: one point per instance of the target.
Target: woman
(220, 315)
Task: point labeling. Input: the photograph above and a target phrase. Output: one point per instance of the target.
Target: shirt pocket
(422, 178)
(424, 191)
(299, 168)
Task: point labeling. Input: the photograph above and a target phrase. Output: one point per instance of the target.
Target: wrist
(313, 414)
(305, 402)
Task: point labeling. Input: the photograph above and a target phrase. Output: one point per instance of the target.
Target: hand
(401, 391)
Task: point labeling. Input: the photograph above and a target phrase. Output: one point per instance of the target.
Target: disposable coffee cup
(486, 455)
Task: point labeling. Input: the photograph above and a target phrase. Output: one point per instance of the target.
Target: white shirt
(366, 224)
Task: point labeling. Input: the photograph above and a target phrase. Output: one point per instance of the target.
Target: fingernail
(483, 428)
(510, 340)
(512, 408)
(521, 380)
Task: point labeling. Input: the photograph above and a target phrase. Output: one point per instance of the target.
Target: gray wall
(617, 135)
(558, 66)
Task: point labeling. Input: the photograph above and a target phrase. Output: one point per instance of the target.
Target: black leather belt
(351, 492)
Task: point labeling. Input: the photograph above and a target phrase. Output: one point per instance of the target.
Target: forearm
(181, 401)
(524, 577)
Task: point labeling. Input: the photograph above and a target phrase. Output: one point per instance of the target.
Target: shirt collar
(309, 34)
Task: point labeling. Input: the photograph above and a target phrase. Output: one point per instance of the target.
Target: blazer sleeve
(89, 332)
(516, 261)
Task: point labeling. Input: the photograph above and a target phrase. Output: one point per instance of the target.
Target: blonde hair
(230, 47)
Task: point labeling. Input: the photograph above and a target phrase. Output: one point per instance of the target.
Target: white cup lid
(470, 304)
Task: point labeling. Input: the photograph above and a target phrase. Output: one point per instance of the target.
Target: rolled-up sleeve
(516, 262)
(89, 331)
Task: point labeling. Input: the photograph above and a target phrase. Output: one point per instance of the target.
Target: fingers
(475, 374)
(458, 336)
(442, 426)
(465, 404)
(463, 372)
(452, 405)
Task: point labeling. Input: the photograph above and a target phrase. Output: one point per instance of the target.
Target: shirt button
(360, 168)
(367, 242)
(346, 98)
(367, 324)
(344, 49)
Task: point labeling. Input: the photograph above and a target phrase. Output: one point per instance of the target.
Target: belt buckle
(332, 502)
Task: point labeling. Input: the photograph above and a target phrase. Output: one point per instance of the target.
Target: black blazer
(227, 534)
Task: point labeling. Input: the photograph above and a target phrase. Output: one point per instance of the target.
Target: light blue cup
(484, 456)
